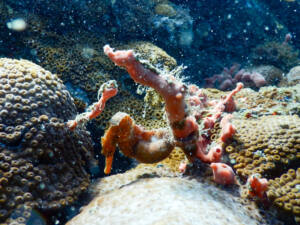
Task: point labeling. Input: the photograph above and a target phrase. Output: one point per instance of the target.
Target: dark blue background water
(204, 35)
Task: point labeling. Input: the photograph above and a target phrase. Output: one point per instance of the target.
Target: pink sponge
(223, 174)
(257, 186)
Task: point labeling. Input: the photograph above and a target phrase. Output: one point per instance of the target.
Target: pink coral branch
(229, 97)
(171, 91)
(184, 105)
(228, 129)
(107, 91)
(213, 155)
(226, 104)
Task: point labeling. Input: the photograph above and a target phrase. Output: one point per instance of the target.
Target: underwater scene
(149, 112)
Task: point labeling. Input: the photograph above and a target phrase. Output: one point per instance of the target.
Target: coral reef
(255, 144)
(133, 20)
(165, 9)
(71, 68)
(272, 74)
(70, 44)
(156, 56)
(189, 28)
(83, 66)
(265, 143)
(149, 117)
(42, 163)
(80, 105)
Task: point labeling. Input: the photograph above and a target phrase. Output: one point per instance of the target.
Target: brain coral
(41, 161)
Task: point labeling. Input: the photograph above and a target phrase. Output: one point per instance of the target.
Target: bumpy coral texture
(270, 146)
(41, 160)
(285, 191)
(261, 145)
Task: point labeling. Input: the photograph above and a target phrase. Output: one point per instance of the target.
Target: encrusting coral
(87, 72)
(267, 147)
(261, 145)
(284, 191)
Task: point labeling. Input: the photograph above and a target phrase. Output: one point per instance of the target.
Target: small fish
(290, 0)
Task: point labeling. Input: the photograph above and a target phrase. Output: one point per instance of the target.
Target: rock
(165, 200)
(272, 74)
(293, 75)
